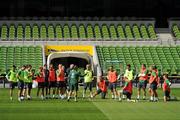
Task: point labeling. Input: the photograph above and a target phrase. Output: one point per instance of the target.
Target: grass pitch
(85, 109)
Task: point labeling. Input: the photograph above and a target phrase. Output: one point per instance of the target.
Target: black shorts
(153, 85)
(20, 84)
(128, 94)
(142, 84)
(73, 87)
(27, 85)
(46, 84)
(61, 84)
(103, 94)
(167, 94)
(40, 84)
(12, 85)
(88, 85)
(112, 85)
(52, 84)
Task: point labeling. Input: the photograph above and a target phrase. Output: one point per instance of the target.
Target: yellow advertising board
(63, 48)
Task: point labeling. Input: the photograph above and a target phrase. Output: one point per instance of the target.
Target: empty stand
(166, 58)
(19, 56)
(83, 31)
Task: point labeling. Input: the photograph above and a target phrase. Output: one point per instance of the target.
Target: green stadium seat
(66, 32)
(152, 33)
(105, 32)
(4, 32)
(144, 32)
(20, 32)
(35, 32)
(90, 33)
(43, 32)
(12, 31)
(175, 30)
(74, 31)
(113, 32)
(16, 55)
(120, 32)
(97, 32)
(128, 32)
(136, 32)
(82, 32)
(51, 32)
(58, 31)
(28, 34)
(163, 57)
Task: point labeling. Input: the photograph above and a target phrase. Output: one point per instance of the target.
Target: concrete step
(166, 39)
(162, 30)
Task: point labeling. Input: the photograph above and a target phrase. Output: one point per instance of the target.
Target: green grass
(96, 109)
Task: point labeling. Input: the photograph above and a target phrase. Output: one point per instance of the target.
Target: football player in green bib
(28, 75)
(88, 77)
(20, 76)
(13, 80)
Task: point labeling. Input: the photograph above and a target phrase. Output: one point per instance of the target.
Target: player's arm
(30, 74)
(85, 73)
(57, 73)
(154, 76)
(9, 73)
(107, 76)
(146, 72)
(18, 74)
(125, 85)
(126, 79)
(158, 81)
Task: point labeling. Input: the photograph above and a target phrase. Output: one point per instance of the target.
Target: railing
(78, 39)
(71, 41)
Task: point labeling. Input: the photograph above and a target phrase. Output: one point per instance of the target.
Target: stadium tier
(82, 31)
(167, 59)
(17, 55)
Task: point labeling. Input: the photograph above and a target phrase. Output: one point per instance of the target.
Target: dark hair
(166, 75)
(155, 66)
(128, 65)
(40, 67)
(14, 66)
(144, 65)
